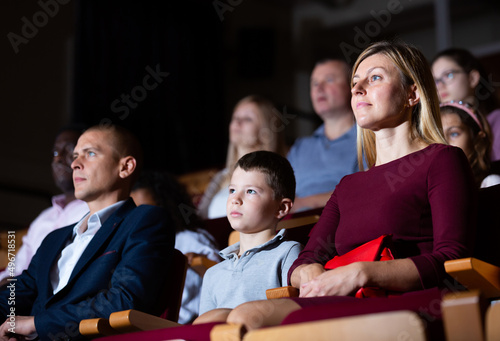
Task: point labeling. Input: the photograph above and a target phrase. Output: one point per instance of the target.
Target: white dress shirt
(83, 232)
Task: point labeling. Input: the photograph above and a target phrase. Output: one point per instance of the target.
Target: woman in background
(459, 76)
(255, 125)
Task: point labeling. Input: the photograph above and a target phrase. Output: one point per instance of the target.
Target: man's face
(330, 90)
(62, 157)
(96, 166)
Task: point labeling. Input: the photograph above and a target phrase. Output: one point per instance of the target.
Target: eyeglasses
(447, 77)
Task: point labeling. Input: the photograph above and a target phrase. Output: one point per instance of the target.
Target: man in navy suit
(117, 257)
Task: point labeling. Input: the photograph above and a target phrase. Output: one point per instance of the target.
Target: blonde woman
(255, 125)
(416, 188)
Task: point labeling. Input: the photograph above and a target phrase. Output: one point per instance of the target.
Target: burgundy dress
(426, 200)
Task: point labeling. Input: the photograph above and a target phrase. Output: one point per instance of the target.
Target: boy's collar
(233, 250)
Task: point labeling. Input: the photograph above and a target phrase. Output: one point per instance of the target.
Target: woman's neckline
(387, 164)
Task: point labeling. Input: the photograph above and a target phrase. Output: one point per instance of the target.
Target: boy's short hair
(278, 171)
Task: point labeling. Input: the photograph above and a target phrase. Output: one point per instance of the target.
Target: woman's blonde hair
(415, 70)
(271, 133)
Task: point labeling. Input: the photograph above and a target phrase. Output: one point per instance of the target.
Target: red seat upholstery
(427, 303)
(199, 332)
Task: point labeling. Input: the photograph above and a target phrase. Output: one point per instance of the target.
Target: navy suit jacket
(125, 266)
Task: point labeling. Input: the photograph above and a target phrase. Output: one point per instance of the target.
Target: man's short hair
(278, 171)
(124, 143)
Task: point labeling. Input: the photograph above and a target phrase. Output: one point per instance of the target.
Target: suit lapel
(101, 237)
(52, 257)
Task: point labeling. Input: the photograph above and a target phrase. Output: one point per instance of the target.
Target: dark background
(84, 57)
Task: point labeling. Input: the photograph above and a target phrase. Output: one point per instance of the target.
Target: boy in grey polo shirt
(261, 192)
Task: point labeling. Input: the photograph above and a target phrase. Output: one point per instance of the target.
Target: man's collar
(97, 219)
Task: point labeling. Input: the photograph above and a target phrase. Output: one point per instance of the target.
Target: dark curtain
(154, 67)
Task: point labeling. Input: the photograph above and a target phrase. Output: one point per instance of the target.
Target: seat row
(451, 314)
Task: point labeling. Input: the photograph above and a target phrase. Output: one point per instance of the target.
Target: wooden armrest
(201, 264)
(202, 261)
(227, 332)
(492, 325)
(288, 291)
(96, 327)
(476, 274)
(128, 321)
(394, 325)
(463, 315)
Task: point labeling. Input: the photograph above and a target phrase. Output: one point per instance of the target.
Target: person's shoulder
(438, 150)
(196, 238)
(288, 243)
(147, 210)
(490, 181)
(298, 144)
(444, 159)
(431, 152)
(495, 113)
(304, 140)
(494, 119)
(144, 215)
(215, 270)
(285, 245)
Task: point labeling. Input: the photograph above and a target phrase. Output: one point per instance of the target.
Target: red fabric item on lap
(374, 250)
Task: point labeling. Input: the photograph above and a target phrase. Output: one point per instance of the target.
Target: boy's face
(251, 206)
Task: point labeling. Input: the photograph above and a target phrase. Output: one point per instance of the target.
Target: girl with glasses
(459, 76)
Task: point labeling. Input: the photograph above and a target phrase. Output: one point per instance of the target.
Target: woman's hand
(396, 275)
(304, 273)
(341, 281)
